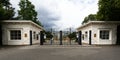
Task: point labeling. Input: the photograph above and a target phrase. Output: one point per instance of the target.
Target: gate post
(1, 35)
(90, 33)
(30, 37)
(60, 37)
(41, 37)
(79, 38)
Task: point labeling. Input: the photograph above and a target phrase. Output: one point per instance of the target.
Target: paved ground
(63, 42)
(57, 52)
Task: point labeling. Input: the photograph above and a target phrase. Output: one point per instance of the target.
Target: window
(86, 34)
(104, 34)
(34, 35)
(82, 36)
(15, 34)
(37, 36)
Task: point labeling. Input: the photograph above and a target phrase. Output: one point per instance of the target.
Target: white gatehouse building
(20, 32)
(100, 32)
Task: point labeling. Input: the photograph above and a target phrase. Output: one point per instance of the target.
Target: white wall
(37, 30)
(83, 30)
(95, 28)
(111, 27)
(25, 29)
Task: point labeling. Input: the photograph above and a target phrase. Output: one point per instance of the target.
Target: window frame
(37, 36)
(34, 35)
(109, 34)
(86, 34)
(83, 37)
(9, 34)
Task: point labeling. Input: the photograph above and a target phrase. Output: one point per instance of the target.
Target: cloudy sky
(61, 14)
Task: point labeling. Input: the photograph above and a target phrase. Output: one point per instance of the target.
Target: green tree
(6, 13)
(26, 11)
(1, 12)
(6, 10)
(48, 35)
(109, 10)
(38, 22)
(72, 35)
(91, 17)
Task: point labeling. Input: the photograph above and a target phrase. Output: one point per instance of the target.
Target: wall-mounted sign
(94, 35)
(25, 35)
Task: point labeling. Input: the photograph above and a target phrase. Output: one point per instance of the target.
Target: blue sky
(62, 14)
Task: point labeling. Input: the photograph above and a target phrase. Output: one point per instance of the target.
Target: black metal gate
(61, 37)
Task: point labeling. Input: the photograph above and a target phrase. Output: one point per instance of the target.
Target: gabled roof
(22, 21)
(98, 22)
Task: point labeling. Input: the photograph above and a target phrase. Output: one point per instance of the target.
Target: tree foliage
(6, 10)
(91, 17)
(109, 10)
(27, 11)
(1, 12)
(48, 35)
(72, 35)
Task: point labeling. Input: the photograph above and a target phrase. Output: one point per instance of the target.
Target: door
(90, 35)
(118, 35)
(30, 37)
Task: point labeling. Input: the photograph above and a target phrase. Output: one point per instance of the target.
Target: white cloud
(74, 11)
(71, 13)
